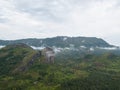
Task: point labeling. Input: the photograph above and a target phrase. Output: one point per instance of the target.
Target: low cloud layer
(48, 18)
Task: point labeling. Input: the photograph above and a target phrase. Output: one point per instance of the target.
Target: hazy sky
(48, 18)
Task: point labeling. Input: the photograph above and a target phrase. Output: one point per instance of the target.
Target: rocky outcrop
(49, 55)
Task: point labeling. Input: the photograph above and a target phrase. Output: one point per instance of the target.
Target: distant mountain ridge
(61, 41)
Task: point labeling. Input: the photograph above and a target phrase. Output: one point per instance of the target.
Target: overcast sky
(49, 18)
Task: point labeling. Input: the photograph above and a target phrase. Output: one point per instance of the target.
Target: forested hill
(61, 41)
(23, 68)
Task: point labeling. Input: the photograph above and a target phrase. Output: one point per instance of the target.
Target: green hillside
(14, 57)
(89, 72)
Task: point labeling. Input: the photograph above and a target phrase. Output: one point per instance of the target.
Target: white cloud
(48, 18)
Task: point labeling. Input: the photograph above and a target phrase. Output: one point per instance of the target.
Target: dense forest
(89, 72)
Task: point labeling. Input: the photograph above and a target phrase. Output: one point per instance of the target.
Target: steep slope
(62, 41)
(17, 57)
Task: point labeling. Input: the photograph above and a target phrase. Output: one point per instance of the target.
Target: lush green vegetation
(89, 72)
